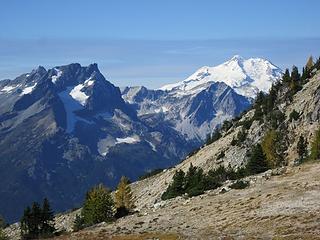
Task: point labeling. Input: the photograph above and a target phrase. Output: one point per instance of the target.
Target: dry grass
(104, 235)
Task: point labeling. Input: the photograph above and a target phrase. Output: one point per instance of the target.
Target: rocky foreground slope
(284, 206)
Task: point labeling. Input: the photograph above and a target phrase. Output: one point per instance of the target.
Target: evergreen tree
(302, 148)
(309, 64)
(257, 161)
(286, 77)
(98, 206)
(194, 181)
(78, 223)
(31, 222)
(315, 146)
(176, 188)
(295, 84)
(47, 219)
(123, 197)
(2, 222)
(25, 223)
(272, 148)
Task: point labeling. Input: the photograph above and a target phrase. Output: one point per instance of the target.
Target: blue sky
(152, 43)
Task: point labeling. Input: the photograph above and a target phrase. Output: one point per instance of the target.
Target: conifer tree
(176, 188)
(272, 148)
(2, 222)
(295, 84)
(315, 146)
(309, 64)
(98, 206)
(286, 77)
(257, 161)
(302, 148)
(47, 219)
(194, 181)
(123, 195)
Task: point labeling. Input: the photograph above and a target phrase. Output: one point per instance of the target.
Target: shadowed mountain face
(66, 129)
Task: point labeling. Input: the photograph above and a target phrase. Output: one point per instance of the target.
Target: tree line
(99, 206)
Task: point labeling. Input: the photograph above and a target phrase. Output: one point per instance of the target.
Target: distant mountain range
(65, 129)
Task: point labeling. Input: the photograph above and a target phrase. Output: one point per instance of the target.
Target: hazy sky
(154, 42)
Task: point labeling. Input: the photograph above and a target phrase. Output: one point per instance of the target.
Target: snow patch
(71, 105)
(55, 78)
(129, 140)
(7, 89)
(106, 143)
(153, 146)
(89, 82)
(162, 109)
(78, 95)
(28, 90)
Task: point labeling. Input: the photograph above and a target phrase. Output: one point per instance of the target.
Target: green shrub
(221, 155)
(2, 222)
(3, 235)
(241, 137)
(240, 184)
(226, 125)
(214, 137)
(78, 223)
(294, 115)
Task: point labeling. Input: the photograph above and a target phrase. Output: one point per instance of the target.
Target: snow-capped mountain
(65, 129)
(245, 76)
(196, 106)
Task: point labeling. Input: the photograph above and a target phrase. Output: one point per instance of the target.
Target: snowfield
(246, 77)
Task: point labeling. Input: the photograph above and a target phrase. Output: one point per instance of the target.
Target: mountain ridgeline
(66, 129)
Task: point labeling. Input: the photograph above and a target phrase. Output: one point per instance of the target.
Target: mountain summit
(245, 76)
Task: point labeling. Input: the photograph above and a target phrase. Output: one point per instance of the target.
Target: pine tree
(25, 223)
(2, 222)
(257, 161)
(176, 188)
(272, 148)
(194, 181)
(31, 222)
(286, 77)
(47, 219)
(98, 206)
(78, 223)
(295, 84)
(123, 195)
(309, 64)
(302, 148)
(315, 146)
